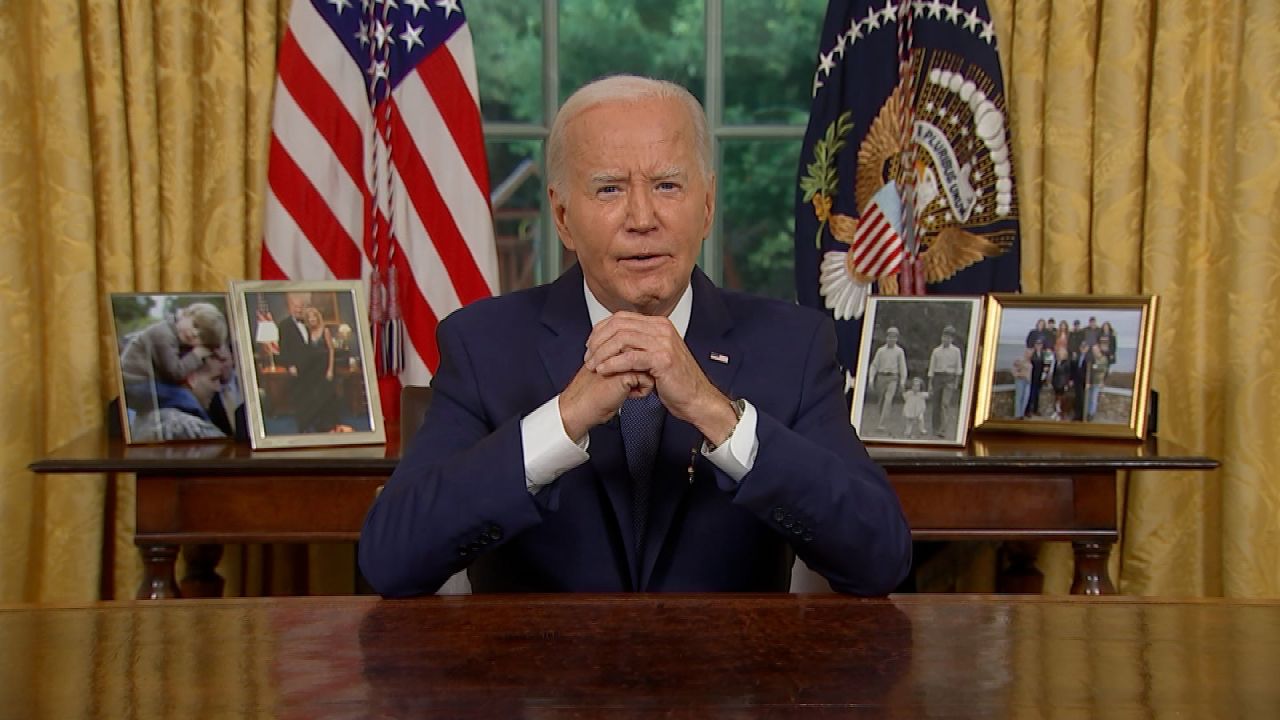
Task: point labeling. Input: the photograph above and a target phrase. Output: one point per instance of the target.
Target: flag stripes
(422, 180)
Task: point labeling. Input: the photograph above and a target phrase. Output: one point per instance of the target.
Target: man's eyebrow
(675, 171)
(608, 176)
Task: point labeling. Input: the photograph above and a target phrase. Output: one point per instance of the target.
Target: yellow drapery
(132, 158)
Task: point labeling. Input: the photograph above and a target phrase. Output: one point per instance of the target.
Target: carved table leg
(1091, 576)
(157, 571)
(202, 578)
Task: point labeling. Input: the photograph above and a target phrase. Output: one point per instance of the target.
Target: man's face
(634, 204)
(891, 339)
(946, 339)
(297, 303)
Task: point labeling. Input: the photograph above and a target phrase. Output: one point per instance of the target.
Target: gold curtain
(132, 158)
(1147, 141)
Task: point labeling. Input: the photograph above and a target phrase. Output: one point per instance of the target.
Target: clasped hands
(629, 355)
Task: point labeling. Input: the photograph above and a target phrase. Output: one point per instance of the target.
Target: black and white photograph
(1075, 365)
(916, 369)
(312, 381)
(176, 372)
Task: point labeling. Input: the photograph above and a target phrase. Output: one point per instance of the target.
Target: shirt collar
(679, 316)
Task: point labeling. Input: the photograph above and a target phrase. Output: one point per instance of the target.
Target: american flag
(877, 245)
(377, 169)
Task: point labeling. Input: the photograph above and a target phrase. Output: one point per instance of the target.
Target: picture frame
(175, 368)
(307, 361)
(915, 377)
(1102, 390)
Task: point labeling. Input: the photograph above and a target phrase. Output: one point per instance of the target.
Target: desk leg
(1092, 577)
(157, 571)
(202, 578)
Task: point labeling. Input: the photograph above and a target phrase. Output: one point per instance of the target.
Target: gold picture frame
(905, 392)
(307, 363)
(175, 369)
(1092, 378)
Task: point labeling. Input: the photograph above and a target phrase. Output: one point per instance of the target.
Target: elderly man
(630, 426)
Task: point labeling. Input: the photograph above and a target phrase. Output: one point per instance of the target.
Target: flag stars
(889, 13)
(935, 9)
(953, 13)
(449, 7)
(420, 5)
(972, 21)
(873, 19)
(380, 34)
(988, 33)
(378, 71)
(340, 5)
(362, 34)
(411, 36)
(825, 63)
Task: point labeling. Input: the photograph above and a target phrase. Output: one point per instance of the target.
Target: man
(293, 330)
(888, 372)
(1081, 365)
(530, 468)
(945, 366)
(1040, 371)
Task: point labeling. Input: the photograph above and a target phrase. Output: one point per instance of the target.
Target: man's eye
(668, 185)
(608, 190)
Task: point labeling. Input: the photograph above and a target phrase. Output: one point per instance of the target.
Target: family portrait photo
(308, 348)
(916, 367)
(1067, 364)
(176, 372)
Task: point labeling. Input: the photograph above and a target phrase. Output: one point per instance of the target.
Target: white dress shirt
(549, 452)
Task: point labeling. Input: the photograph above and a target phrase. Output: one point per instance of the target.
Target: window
(749, 61)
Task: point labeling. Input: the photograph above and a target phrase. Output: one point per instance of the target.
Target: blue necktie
(641, 421)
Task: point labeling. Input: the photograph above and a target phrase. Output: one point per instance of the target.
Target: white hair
(623, 88)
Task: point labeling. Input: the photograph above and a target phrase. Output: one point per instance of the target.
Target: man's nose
(640, 212)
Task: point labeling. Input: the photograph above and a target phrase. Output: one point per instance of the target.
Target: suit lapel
(709, 324)
(565, 315)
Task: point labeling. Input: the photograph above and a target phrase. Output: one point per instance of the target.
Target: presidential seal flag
(906, 182)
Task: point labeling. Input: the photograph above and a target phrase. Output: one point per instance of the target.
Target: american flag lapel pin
(720, 358)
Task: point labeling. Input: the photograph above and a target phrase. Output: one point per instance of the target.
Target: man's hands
(631, 355)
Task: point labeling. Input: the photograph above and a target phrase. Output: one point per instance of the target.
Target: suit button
(779, 514)
(495, 533)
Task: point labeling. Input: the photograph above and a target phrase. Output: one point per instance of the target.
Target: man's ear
(559, 211)
(710, 205)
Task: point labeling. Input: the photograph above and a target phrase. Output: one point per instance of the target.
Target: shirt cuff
(549, 452)
(736, 456)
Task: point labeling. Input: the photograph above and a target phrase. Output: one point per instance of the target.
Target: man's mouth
(642, 260)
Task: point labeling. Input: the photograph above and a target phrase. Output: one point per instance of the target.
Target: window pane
(757, 192)
(769, 56)
(508, 47)
(516, 175)
(660, 38)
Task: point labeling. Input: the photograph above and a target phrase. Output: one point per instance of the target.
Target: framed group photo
(915, 377)
(308, 363)
(176, 370)
(1071, 365)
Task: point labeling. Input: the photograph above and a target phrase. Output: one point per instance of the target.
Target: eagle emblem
(933, 184)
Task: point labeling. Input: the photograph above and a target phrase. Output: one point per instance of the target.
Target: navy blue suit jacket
(458, 497)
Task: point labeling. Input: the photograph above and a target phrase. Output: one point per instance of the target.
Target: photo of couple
(177, 378)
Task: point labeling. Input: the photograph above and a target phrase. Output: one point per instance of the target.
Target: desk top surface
(93, 452)
(670, 656)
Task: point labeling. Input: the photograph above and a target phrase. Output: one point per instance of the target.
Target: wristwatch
(739, 407)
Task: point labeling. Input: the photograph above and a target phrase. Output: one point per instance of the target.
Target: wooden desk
(203, 495)
(726, 656)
